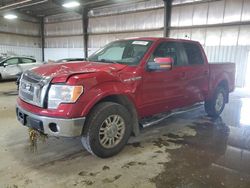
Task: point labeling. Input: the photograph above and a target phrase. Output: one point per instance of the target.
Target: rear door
(196, 74)
(27, 63)
(164, 90)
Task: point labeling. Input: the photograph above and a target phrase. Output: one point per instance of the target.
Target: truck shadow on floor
(54, 150)
(191, 142)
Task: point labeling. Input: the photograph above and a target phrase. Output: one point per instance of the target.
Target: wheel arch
(128, 104)
(224, 84)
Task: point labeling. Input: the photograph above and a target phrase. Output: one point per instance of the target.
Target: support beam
(42, 38)
(85, 23)
(167, 17)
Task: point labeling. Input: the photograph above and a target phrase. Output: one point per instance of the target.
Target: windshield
(128, 52)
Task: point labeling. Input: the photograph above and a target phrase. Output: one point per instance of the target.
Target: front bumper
(51, 126)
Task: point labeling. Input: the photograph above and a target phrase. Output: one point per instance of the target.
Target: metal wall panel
(97, 41)
(186, 16)
(16, 40)
(127, 22)
(233, 11)
(61, 53)
(244, 35)
(64, 28)
(235, 54)
(63, 17)
(23, 51)
(174, 33)
(179, 2)
(199, 35)
(175, 16)
(176, 2)
(185, 34)
(229, 36)
(213, 36)
(200, 14)
(246, 11)
(114, 9)
(19, 27)
(64, 42)
(216, 12)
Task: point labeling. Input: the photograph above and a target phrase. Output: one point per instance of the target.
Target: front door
(164, 90)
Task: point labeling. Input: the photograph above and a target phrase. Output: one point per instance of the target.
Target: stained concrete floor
(186, 151)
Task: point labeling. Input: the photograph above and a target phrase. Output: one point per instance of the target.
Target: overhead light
(10, 16)
(71, 4)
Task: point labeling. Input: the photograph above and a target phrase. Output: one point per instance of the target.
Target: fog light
(53, 127)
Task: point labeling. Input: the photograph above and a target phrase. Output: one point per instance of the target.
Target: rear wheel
(216, 105)
(107, 129)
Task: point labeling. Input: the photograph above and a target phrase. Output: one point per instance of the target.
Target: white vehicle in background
(11, 67)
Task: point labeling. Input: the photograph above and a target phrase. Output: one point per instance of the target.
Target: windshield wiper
(108, 61)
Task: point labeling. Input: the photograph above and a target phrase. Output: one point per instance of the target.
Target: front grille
(32, 88)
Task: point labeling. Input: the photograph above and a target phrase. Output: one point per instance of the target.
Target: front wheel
(107, 129)
(216, 105)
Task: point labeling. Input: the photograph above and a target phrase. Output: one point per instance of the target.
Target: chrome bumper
(51, 126)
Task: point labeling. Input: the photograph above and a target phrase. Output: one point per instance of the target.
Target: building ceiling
(43, 8)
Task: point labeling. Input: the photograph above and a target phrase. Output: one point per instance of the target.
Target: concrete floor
(189, 150)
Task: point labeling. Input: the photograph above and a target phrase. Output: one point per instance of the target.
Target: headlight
(63, 94)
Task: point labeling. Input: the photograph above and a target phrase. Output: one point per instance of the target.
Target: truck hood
(62, 71)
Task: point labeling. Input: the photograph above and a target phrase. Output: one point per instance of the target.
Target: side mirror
(161, 63)
(5, 64)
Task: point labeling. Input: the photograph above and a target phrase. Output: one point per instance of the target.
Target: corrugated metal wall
(20, 38)
(222, 27)
(132, 20)
(237, 54)
(63, 36)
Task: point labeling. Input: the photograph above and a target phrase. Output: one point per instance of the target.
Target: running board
(146, 122)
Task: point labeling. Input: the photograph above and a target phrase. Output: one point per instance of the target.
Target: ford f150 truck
(105, 98)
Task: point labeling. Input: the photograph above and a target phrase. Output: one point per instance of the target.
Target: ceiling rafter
(43, 8)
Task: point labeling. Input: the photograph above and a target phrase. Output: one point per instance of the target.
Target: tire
(216, 105)
(108, 122)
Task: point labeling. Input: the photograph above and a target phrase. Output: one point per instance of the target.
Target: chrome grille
(33, 87)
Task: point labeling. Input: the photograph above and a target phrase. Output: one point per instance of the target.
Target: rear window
(194, 55)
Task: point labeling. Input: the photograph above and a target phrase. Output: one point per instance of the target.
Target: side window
(12, 61)
(193, 53)
(168, 49)
(27, 60)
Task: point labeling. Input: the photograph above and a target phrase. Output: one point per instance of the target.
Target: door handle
(183, 76)
(206, 72)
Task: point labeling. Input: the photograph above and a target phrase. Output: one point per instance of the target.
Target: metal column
(42, 38)
(85, 23)
(167, 17)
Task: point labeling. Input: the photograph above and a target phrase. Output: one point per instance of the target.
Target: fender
(103, 90)
(113, 89)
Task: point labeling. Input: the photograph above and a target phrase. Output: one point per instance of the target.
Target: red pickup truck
(106, 98)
